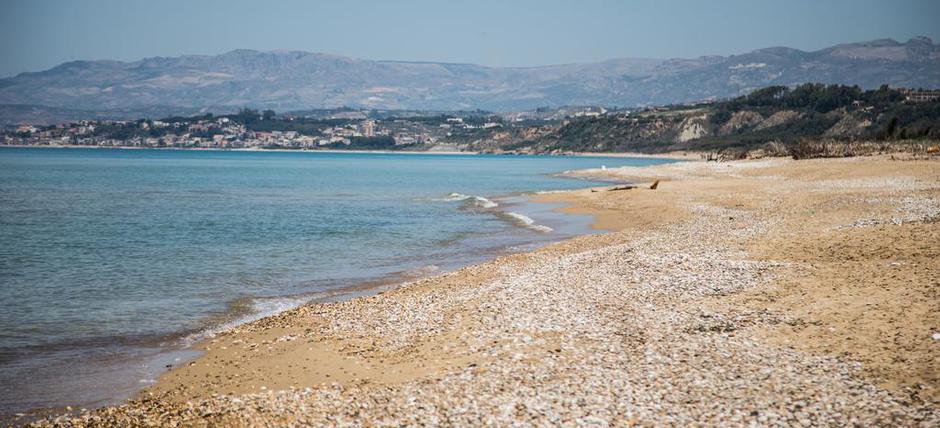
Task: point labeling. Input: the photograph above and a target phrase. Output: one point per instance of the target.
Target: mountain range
(292, 80)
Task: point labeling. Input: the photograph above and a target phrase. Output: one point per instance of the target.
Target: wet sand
(750, 292)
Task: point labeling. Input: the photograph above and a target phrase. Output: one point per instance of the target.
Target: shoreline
(215, 149)
(680, 155)
(713, 263)
(369, 287)
(185, 347)
(393, 280)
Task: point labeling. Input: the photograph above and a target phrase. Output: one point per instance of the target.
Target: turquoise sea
(112, 261)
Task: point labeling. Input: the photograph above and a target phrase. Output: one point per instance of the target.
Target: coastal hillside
(291, 80)
(773, 115)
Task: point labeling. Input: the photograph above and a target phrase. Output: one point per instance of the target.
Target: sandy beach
(764, 292)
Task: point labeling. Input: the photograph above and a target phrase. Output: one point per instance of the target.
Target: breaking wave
(246, 310)
(527, 221)
(474, 200)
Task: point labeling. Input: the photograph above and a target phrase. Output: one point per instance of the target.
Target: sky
(39, 34)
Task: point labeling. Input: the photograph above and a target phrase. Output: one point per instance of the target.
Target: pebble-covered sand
(644, 326)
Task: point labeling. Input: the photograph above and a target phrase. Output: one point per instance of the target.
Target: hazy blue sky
(38, 34)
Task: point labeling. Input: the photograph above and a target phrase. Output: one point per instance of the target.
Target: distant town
(315, 129)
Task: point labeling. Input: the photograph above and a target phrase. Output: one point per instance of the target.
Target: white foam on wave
(261, 307)
(475, 200)
(481, 202)
(484, 203)
(453, 197)
(541, 228)
(528, 222)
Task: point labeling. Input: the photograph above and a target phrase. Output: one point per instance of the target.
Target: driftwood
(614, 189)
(655, 185)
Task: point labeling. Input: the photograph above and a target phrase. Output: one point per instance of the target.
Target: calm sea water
(110, 257)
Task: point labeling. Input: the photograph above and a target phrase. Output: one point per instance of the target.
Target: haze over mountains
(293, 80)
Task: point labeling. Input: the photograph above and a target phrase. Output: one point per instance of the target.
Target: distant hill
(292, 80)
(773, 115)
